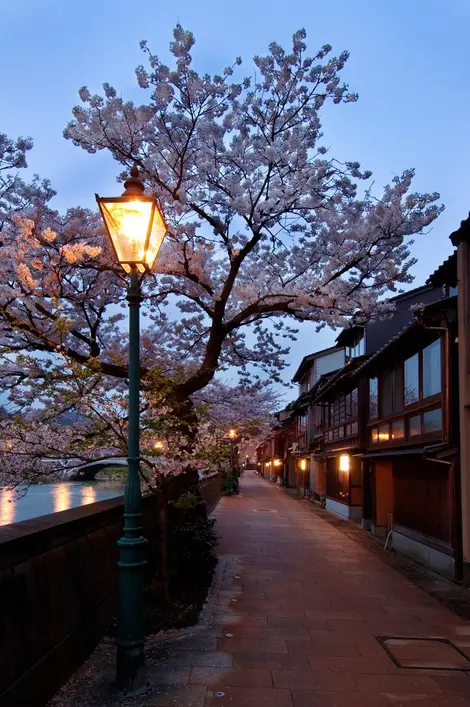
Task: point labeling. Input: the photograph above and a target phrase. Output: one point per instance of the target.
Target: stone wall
(210, 491)
(58, 585)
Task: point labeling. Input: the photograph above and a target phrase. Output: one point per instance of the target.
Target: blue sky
(410, 61)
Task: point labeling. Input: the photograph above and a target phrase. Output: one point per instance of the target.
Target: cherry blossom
(266, 228)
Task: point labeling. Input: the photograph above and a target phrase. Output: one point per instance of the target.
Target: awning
(352, 451)
(415, 451)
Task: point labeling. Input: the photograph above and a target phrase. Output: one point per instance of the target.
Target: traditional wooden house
(285, 435)
(308, 415)
(410, 467)
(345, 401)
(385, 437)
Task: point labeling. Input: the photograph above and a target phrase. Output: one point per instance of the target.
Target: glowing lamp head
(277, 462)
(158, 445)
(344, 462)
(232, 434)
(303, 465)
(134, 224)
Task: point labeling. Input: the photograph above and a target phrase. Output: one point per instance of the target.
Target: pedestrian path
(306, 617)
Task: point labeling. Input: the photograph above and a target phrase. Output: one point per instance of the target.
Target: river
(41, 499)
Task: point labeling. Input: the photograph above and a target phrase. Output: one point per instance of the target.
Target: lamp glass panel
(128, 223)
(157, 234)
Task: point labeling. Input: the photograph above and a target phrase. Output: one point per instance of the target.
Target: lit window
(398, 429)
(384, 433)
(375, 435)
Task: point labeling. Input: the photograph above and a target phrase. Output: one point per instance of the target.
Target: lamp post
(136, 229)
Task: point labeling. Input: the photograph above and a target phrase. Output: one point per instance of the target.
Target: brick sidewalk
(296, 622)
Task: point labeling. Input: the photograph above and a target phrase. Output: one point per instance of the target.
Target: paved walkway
(296, 621)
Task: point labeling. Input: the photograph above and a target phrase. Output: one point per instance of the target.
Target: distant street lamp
(136, 229)
(232, 435)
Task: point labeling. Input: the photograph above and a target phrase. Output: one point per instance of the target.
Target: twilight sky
(409, 62)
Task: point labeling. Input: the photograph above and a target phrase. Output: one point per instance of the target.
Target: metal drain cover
(424, 653)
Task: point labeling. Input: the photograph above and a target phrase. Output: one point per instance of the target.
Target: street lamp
(136, 229)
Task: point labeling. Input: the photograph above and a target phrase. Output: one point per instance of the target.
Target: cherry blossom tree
(263, 223)
(265, 229)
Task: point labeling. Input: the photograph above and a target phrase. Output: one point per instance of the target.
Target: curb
(205, 616)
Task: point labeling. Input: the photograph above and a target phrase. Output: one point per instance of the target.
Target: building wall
(292, 471)
(325, 364)
(383, 501)
(303, 474)
(422, 498)
(344, 486)
(463, 274)
(320, 487)
(313, 474)
(379, 332)
(431, 557)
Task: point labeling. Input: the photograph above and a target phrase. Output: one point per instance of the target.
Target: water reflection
(7, 506)
(40, 499)
(62, 497)
(88, 495)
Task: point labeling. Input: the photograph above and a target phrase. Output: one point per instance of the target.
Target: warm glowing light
(62, 497)
(277, 462)
(7, 506)
(158, 445)
(303, 465)
(136, 228)
(344, 462)
(232, 433)
(88, 495)
(384, 436)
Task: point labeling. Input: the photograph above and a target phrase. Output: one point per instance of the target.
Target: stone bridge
(89, 471)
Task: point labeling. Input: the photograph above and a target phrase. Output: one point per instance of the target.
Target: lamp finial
(134, 184)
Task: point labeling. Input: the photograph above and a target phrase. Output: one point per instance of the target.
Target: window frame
(342, 416)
